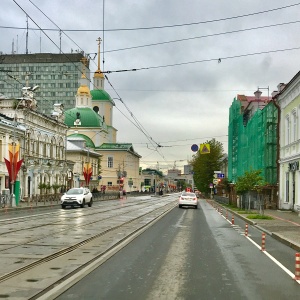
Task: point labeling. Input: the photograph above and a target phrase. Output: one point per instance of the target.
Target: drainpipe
(278, 141)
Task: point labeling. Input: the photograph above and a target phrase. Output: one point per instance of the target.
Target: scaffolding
(252, 141)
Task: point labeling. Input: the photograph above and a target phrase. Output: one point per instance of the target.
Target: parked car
(77, 197)
(188, 199)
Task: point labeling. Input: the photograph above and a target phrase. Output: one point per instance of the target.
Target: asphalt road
(191, 254)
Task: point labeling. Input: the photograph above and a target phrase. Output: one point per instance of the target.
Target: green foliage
(42, 186)
(181, 184)
(204, 165)
(262, 217)
(55, 187)
(250, 181)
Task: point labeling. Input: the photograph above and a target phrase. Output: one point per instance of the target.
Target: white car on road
(188, 199)
(77, 197)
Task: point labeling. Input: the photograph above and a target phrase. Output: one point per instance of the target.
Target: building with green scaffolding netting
(252, 138)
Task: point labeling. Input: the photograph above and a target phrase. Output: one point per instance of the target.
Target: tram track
(136, 220)
(90, 213)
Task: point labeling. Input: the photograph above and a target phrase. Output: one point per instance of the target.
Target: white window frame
(287, 130)
(294, 128)
(110, 161)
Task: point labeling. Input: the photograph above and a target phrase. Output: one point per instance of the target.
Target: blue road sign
(221, 175)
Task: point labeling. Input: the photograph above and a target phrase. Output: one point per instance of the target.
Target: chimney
(274, 93)
(281, 86)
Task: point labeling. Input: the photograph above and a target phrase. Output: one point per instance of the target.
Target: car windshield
(74, 192)
(188, 194)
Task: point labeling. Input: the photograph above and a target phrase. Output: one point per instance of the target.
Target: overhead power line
(203, 36)
(164, 26)
(139, 126)
(219, 60)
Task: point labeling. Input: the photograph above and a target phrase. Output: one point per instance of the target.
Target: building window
(294, 129)
(109, 183)
(287, 130)
(287, 187)
(110, 162)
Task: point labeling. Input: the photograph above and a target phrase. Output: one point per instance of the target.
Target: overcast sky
(205, 53)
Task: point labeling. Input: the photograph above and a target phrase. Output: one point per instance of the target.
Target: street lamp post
(154, 183)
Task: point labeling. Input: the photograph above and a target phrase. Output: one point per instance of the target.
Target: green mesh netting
(252, 144)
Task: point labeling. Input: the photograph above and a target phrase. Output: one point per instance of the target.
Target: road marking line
(268, 254)
(274, 260)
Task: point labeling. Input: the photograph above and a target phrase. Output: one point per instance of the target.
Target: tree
(181, 184)
(42, 186)
(55, 187)
(250, 181)
(204, 165)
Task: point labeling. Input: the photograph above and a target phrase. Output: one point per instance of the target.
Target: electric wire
(139, 125)
(203, 36)
(165, 26)
(219, 59)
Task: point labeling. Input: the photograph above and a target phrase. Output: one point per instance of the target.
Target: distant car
(188, 199)
(77, 197)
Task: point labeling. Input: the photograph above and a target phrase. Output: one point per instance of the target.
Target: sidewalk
(285, 227)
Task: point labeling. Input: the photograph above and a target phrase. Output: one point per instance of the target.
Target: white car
(188, 199)
(77, 197)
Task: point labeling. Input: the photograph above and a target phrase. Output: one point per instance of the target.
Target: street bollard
(222, 211)
(263, 242)
(246, 230)
(226, 215)
(297, 267)
(232, 220)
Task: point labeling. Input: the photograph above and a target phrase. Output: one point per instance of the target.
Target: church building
(115, 166)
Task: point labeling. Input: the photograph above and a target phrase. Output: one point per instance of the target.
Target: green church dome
(100, 95)
(88, 117)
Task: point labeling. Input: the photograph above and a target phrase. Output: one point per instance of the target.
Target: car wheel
(90, 203)
(83, 204)
(63, 206)
(196, 206)
(179, 206)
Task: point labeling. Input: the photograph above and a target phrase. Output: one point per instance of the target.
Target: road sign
(215, 181)
(220, 175)
(217, 172)
(216, 175)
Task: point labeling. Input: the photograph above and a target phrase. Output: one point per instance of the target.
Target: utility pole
(27, 35)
